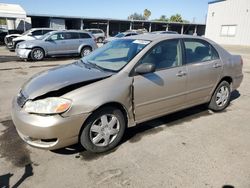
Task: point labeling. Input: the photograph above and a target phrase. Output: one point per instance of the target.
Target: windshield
(45, 36)
(26, 32)
(114, 55)
(120, 35)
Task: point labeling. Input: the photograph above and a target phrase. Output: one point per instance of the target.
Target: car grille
(8, 40)
(21, 99)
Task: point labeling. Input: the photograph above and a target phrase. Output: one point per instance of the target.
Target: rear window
(84, 35)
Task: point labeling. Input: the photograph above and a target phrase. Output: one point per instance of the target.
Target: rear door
(204, 69)
(71, 42)
(164, 90)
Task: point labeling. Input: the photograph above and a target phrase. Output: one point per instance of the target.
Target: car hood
(13, 35)
(24, 37)
(30, 43)
(60, 80)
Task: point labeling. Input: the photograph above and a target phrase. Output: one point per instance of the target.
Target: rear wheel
(85, 51)
(100, 40)
(221, 97)
(103, 130)
(37, 54)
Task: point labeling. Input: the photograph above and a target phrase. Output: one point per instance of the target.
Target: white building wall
(225, 13)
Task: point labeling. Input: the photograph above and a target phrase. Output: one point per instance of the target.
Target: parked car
(5, 32)
(57, 43)
(139, 31)
(97, 33)
(164, 32)
(125, 82)
(13, 39)
(120, 35)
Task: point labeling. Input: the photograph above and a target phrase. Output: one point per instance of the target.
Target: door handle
(217, 65)
(181, 73)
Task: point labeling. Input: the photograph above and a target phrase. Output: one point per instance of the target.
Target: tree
(163, 18)
(176, 18)
(136, 16)
(146, 14)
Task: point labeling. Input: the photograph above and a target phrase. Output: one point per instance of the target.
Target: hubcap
(104, 130)
(38, 54)
(86, 52)
(222, 96)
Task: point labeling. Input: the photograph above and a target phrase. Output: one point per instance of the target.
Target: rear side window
(37, 33)
(199, 51)
(72, 35)
(84, 35)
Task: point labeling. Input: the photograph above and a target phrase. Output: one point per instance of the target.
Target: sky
(191, 10)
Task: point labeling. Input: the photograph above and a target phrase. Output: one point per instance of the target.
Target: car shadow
(136, 133)
(8, 58)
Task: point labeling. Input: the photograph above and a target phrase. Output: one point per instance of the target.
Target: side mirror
(145, 68)
(30, 34)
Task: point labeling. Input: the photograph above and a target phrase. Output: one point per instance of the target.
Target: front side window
(57, 36)
(116, 54)
(165, 54)
(199, 51)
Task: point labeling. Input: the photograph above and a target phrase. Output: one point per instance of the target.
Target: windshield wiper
(93, 65)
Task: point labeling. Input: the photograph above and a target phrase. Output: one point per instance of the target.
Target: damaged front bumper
(47, 132)
(23, 53)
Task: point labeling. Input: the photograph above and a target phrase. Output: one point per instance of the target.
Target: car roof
(73, 31)
(154, 37)
(42, 28)
(92, 29)
(128, 32)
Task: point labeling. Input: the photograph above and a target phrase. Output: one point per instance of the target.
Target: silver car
(123, 83)
(120, 35)
(97, 33)
(57, 43)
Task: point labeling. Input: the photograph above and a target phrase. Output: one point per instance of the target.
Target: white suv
(12, 40)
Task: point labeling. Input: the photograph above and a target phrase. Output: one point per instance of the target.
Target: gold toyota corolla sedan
(125, 82)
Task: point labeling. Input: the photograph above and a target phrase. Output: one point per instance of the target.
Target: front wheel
(85, 51)
(221, 97)
(37, 54)
(103, 130)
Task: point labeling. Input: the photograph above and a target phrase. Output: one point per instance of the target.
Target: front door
(56, 44)
(164, 90)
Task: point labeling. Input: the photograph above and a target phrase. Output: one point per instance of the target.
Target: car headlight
(52, 105)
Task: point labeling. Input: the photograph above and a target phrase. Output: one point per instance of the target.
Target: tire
(100, 40)
(37, 54)
(221, 97)
(85, 51)
(103, 130)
